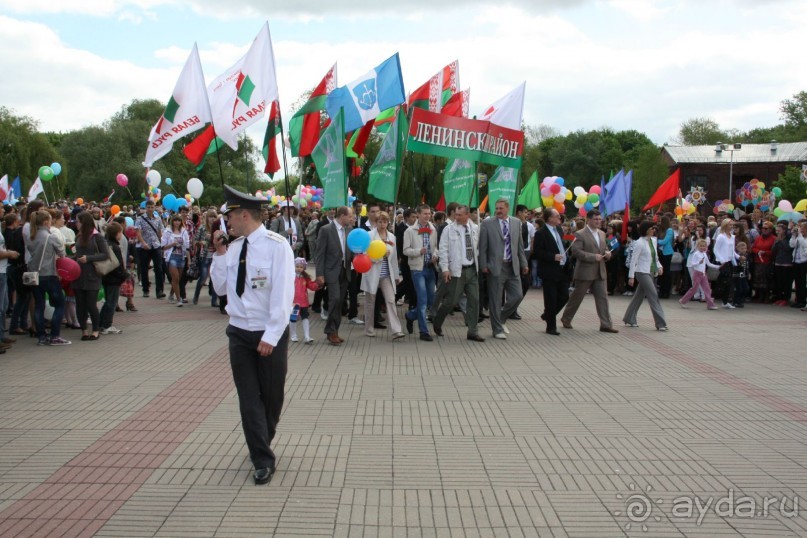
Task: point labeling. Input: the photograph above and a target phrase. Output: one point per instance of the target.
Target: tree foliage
(23, 149)
(793, 188)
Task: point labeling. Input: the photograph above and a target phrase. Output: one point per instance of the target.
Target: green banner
(329, 158)
(458, 181)
(503, 185)
(385, 173)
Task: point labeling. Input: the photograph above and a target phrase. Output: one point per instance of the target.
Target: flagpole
(285, 165)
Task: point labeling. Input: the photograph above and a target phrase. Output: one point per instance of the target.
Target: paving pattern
(701, 431)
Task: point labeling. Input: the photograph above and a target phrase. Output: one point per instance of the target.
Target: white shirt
(724, 249)
(340, 231)
(266, 303)
(699, 261)
(596, 235)
(642, 259)
(531, 234)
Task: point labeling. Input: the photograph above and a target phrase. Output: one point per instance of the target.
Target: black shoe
(426, 337)
(438, 330)
(410, 325)
(483, 316)
(317, 310)
(543, 316)
(379, 326)
(475, 338)
(515, 316)
(553, 332)
(145, 294)
(264, 475)
(160, 295)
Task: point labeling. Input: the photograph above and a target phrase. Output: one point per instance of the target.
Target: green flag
(458, 181)
(329, 158)
(531, 193)
(385, 172)
(503, 185)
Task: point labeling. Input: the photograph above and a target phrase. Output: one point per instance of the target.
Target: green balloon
(45, 173)
(777, 192)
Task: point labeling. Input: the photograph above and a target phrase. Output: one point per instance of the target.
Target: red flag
(667, 190)
(441, 205)
(196, 150)
(625, 219)
(270, 140)
(361, 137)
(457, 105)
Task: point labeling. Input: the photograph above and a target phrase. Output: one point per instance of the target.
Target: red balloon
(595, 189)
(68, 269)
(362, 263)
(555, 188)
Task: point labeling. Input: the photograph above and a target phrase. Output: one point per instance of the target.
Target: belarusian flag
(196, 150)
(438, 89)
(385, 173)
(240, 96)
(458, 104)
(385, 119)
(187, 110)
(304, 127)
(358, 140)
(270, 141)
(329, 157)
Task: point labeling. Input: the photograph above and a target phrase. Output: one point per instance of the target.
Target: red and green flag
(270, 141)
(437, 90)
(458, 104)
(304, 127)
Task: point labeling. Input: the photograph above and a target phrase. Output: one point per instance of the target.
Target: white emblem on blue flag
(365, 94)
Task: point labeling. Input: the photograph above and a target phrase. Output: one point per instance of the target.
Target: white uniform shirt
(268, 296)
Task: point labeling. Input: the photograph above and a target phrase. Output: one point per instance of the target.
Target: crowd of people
(437, 263)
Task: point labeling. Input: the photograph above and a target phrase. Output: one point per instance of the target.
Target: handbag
(31, 278)
(193, 269)
(127, 287)
(677, 258)
(108, 265)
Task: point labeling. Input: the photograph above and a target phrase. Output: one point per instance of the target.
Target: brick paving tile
(532, 436)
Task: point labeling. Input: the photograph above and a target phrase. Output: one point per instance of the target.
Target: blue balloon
(358, 240)
(57, 168)
(560, 181)
(169, 202)
(588, 206)
(168, 181)
(180, 203)
(143, 204)
(130, 221)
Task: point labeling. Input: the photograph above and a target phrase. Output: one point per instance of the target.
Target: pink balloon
(122, 180)
(595, 189)
(68, 269)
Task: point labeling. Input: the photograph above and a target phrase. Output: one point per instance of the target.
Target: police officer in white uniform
(256, 273)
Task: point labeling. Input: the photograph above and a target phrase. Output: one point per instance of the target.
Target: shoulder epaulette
(276, 236)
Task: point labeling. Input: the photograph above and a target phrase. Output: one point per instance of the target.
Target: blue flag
(16, 187)
(616, 194)
(364, 98)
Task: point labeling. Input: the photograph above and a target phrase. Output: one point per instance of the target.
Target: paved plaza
(700, 431)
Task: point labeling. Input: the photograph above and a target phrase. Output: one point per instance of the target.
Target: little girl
(302, 283)
(699, 261)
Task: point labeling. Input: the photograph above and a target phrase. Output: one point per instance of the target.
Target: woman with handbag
(90, 248)
(112, 281)
(176, 251)
(44, 248)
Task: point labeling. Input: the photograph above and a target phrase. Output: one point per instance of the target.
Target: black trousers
(155, 256)
(337, 289)
(260, 382)
(556, 295)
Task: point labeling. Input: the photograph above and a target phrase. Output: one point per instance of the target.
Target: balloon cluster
(586, 201)
(365, 251)
(723, 206)
(554, 193)
(686, 208)
(173, 203)
(308, 196)
(753, 193)
(153, 193)
(46, 173)
(786, 211)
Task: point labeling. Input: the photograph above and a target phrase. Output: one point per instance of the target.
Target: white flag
(4, 187)
(507, 111)
(35, 189)
(187, 110)
(244, 93)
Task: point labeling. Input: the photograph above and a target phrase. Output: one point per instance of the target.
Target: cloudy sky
(626, 64)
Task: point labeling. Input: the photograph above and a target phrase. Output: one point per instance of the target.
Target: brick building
(708, 166)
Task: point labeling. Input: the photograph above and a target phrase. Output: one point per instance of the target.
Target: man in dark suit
(502, 259)
(321, 295)
(333, 260)
(552, 263)
(590, 249)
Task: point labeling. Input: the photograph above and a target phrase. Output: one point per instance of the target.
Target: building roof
(749, 153)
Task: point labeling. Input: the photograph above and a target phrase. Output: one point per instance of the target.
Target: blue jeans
(204, 272)
(51, 286)
(423, 282)
(111, 295)
(3, 301)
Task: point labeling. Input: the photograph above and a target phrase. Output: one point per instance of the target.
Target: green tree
(649, 171)
(794, 110)
(23, 149)
(700, 132)
(793, 188)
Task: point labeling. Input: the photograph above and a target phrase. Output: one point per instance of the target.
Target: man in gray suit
(590, 249)
(333, 260)
(290, 228)
(502, 259)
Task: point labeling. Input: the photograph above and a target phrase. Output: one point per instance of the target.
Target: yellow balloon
(761, 185)
(691, 209)
(377, 250)
(364, 211)
(568, 194)
(801, 206)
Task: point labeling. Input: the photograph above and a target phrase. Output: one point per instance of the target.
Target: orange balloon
(679, 211)
(79, 201)
(115, 209)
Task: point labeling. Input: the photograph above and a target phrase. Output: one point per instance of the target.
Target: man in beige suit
(590, 249)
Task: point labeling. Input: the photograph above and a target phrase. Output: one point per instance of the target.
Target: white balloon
(195, 187)
(153, 178)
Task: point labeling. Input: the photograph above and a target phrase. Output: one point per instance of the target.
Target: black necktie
(242, 270)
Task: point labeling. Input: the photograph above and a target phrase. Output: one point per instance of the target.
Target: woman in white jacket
(645, 266)
(384, 275)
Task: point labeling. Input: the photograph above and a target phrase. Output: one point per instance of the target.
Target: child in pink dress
(302, 283)
(699, 261)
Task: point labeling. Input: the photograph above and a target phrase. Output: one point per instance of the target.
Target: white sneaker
(729, 306)
(111, 330)
(400, 302)
(172, 301)
(294, 338)
(356, 321)
(309, 341)
(500, 336)
(179, 304)
(170, 297)
(627, 294)
(323, 316)
(505, 329)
